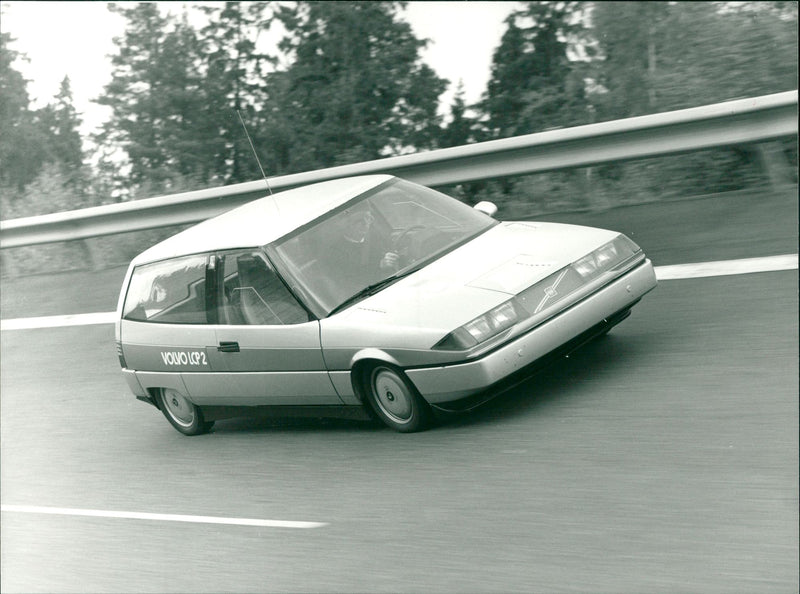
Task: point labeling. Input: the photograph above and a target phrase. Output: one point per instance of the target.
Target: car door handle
(228, 347)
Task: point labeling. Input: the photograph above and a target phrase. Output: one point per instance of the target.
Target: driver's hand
(390, 260)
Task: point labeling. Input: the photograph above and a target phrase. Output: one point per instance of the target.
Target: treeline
(321, 84)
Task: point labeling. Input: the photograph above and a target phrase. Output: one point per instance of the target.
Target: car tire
(182, 414)
(395, 400)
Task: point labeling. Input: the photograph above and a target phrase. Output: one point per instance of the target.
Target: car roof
(262, 221)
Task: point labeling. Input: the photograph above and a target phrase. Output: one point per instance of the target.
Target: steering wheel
(404, 233)
(401, 244)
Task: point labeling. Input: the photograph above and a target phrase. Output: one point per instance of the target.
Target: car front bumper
(451, 383)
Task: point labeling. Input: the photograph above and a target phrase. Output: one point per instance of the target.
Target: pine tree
(235, 81)
(155, 95)
(511, 68)
(631, 38)
(60, 125)
(459, 130)
(532, 84)
(184, 101)
(22, 142)
(660, 56)
(356, 88)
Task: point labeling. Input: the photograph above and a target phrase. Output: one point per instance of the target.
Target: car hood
(476, 277)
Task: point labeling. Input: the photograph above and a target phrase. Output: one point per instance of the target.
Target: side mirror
(486, 207)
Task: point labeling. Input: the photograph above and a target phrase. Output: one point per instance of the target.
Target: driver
(361, 256)
(357, 233)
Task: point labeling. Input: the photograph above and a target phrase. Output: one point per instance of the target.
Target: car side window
(253, 294)
(171, 292)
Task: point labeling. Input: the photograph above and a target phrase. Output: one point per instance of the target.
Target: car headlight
(605, 257)
(482, 328)
(540, 296)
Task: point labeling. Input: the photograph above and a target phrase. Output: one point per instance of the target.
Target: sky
(75, 39)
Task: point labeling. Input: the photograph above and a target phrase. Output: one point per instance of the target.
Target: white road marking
(673, 272)
(97, 513)
(106, 317)
(727, 267)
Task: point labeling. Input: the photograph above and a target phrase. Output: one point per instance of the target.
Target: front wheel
(395, 400)
(185, 416)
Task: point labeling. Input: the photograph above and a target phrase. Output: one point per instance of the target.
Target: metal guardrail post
(775, 164)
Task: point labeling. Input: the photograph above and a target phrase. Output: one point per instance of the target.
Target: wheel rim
(179, 409)
(392, 395)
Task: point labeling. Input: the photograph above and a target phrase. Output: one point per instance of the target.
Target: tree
(235, 81)
(511, 69)
(60, 124)
(719, 51)
(459, 130)
(660, 56)
(156, 95)
(356, 87)
(183, 102)
(533, 84)
(22, 142)
(630, 35)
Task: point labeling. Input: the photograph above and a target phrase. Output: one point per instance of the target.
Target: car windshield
(381, 235)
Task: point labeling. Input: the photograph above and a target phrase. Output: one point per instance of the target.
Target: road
(662, 458)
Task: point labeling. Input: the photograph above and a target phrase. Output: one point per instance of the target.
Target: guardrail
(723, 124)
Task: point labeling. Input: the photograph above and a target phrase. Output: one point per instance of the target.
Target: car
(370, 294)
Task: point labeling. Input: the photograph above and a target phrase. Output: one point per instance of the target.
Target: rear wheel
(185, 416)
(395, 400)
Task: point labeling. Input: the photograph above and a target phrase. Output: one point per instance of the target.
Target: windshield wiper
(370, 290)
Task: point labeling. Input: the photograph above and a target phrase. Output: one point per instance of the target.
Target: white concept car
(369, 292)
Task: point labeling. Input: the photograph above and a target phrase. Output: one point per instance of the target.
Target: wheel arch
(366, 360)
(363, 361)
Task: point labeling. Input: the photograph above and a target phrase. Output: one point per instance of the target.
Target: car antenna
(255, 154)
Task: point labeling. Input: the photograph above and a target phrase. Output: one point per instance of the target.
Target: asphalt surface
(662, 458)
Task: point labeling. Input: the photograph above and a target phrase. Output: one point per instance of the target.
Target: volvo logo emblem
(551, 292)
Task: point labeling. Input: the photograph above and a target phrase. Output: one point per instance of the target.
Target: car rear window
(173, 291)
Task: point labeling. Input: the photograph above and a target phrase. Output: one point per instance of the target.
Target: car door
(268, 342)
(166, 332)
